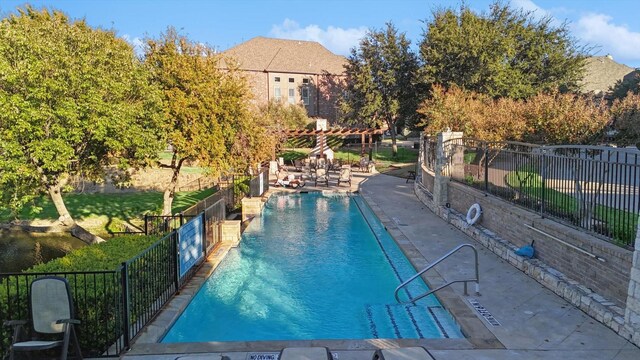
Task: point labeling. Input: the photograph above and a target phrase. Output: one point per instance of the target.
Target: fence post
(176, 258)
(486, 166)
(205, 241)
(181, 218)
(146, 227)
(543, 173)
(124, 280)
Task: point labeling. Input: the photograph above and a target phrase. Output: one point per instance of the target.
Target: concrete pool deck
(534, 323)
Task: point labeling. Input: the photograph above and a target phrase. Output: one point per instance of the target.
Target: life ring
(478, 211)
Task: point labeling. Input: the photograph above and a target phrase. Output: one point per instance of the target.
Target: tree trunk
(65, 218)
(170, 191)
(394, 145)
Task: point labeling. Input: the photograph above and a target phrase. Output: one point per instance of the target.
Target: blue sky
(611, 27)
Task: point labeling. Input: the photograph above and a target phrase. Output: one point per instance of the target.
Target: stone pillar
(441, 181)
(231, 232)
(632, 311)
(251, 207)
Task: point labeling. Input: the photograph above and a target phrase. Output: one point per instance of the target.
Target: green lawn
(107, 211)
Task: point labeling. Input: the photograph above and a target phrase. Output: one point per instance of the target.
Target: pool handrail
(476, 279)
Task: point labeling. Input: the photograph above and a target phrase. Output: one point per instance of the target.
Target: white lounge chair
(52, 313)
(321, 176)
(305, 353)
(345, 176)
(407, 353)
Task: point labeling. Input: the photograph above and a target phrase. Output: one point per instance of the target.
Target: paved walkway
(534, 323)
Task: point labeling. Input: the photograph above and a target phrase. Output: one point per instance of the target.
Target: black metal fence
(148, 282)
(259, 184)
(592, 187)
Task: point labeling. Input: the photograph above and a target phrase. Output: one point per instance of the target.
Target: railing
(163, 224)
(259, 184)
(591, 187)
(214, 216)
(148, 282)
(444, 257)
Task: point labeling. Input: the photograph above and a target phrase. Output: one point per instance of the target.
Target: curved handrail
(476, 280)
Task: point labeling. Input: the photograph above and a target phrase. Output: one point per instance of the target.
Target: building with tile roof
(602, 73)
(299, 72)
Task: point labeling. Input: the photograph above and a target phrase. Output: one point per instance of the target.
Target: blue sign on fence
(190, 244)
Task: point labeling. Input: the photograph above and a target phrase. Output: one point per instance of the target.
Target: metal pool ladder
(465, 281)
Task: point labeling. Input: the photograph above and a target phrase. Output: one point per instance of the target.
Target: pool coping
(477, 336)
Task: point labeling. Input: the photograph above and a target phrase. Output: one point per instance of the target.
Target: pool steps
(390, 321)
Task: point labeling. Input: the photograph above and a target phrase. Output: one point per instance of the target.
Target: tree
(380, 84)
(206, 114)
(505, 53)
(476, 115)
(631, 84)
(73, 101)
(277, 117)
(545, 118)
(626, 120)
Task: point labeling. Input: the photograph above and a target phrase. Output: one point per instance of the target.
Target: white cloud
(336, 39)
(137, 44)
(617, 40)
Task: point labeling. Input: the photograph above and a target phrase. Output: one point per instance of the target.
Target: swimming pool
(311, 267)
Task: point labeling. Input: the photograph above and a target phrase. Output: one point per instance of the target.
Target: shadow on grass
(109, 211)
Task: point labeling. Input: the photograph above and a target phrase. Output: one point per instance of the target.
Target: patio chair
(345, 176)
(51, 308)
(305, 353)
(321, 176)
(414, 353)
(364, 164)
(297, 165)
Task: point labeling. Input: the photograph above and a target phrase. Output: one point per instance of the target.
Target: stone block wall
(610, 277)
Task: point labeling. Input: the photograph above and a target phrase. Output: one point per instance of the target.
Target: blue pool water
(311, 267)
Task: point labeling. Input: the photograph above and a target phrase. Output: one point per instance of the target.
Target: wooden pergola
(337, 132)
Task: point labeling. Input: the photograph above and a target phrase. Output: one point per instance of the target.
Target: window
(276, 79)
(276, 94)
(291, 80)
(292, 96)
(305, 95)
(305, 81)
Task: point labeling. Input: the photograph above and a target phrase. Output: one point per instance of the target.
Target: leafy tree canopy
(545, 118)
(505, 53)
(626, 120)
(277, 117)
(73, 100)
(380, 87)
(206, 109)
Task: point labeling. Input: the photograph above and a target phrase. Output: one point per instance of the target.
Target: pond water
(20, 250)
